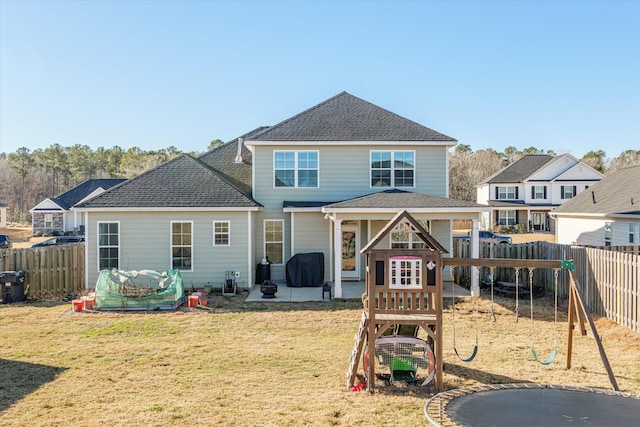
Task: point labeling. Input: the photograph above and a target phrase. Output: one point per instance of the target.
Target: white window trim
(535, 192)
(392, 168)
(632, 233)
(228, 233)
(50, 215)
(415, 267)
(506, 192)
(264, 238)
(107, 246)
(171, 245)
(507, 216)
(296, 168)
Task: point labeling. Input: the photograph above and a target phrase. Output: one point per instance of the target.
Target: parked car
(5, 241)
(59, 240)
(488, 236)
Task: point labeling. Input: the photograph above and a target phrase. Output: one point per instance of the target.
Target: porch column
(475, 252)
(528, 218)
(337, 242)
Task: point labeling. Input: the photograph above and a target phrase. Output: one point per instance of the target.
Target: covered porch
(353, 223)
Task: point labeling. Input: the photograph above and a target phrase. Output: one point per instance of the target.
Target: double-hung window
(507, 192)
(539, 192)
(108, 245)
(221, 233)
(506, 217)
(393, 168)
(607, 233)
(274, 240)
(632, 232)
(182, 245)
(295, 169)
(567, 191)
(48, 220)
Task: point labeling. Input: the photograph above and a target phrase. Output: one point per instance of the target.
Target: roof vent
(239, 155)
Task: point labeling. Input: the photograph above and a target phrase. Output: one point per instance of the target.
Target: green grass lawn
(260, 364)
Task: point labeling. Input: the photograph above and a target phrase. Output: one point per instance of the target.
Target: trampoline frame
(435, 408)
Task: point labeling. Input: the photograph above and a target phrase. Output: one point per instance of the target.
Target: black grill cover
(305, 270)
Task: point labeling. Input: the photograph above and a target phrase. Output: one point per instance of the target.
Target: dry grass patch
(262, 363)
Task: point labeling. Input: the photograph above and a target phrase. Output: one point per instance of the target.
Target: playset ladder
(361, 338)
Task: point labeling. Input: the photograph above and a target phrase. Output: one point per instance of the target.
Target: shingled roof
(222, 160)
(393, 199)
(519, 170)
(182, 182)
(69, 198)
(348, 118)
(614, 194)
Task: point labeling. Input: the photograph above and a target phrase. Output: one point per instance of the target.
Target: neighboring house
(525, 191)
(56, 215)
(325, 180)
(3, 215)
(608, 214)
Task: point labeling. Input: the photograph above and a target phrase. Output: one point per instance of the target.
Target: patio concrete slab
(350, 290)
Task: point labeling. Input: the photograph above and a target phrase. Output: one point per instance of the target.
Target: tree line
(28, 177)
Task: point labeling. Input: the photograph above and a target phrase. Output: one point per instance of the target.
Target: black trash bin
(263, 271)
(12, 284)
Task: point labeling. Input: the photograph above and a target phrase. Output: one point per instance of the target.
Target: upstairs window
(632, 232)
(567, 191)
(295, 169)
(392, 169)
(539, 192)
(507, 192)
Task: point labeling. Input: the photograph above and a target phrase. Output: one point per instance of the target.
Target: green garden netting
(139, 290)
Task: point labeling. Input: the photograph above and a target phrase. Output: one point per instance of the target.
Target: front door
(538, 221)
(350, 251)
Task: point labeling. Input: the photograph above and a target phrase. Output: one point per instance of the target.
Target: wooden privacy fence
(52, 272)
(609, 280)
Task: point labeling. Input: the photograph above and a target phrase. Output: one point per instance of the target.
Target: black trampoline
(533, 405)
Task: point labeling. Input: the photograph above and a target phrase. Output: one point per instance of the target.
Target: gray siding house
(607, 214)
(325, 180)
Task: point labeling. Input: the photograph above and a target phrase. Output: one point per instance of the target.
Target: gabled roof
(417, 228)
(519, 170)
(615, 194)
(69, 198)
(394, 199)
(348, 118)
(222, 160)
(183, 182)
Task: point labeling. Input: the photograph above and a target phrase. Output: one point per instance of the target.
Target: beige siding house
(325, 180)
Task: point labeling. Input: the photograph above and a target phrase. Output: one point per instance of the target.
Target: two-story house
(325, 180)
(608, 214)
(525, 191)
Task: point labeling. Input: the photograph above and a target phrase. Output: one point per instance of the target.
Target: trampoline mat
(544, 407)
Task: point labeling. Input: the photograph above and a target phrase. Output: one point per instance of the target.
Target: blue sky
(559, 75)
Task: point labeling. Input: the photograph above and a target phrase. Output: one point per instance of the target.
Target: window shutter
(562, 191)
(574, 191)
(517, 193)
(533, 192)
(497, 193)
(545, 191)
